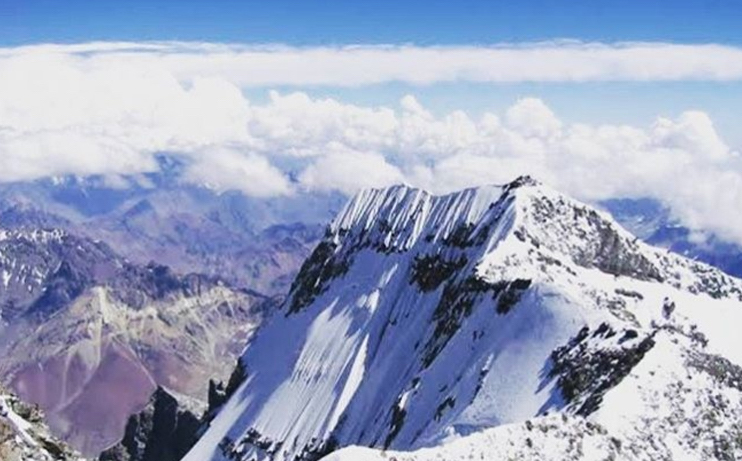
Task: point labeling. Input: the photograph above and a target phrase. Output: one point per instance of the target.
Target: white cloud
(224, 169)
(693, 131)
(108, 108)
(297, 125)
(531, 117)
(350, 171)
(560, 61)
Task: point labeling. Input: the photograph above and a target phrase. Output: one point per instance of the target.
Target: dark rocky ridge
(162, 431)
(595, 362)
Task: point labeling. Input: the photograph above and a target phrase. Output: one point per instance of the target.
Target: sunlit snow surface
(451, 372)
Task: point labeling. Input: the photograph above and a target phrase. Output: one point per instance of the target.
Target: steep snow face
(420, 319)
(397, 217)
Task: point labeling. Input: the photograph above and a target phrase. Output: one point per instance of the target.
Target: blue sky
(311, 22)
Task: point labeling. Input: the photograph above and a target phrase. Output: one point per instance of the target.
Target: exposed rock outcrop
(24, 436)
(163, 431)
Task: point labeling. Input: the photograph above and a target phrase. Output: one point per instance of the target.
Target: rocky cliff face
(163, 431)
(89, 335)
(504, 322)
(654, 223)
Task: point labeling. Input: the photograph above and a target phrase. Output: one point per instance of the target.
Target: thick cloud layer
(562, 61)
(110, 108)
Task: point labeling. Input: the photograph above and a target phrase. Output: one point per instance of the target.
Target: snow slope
(676, 404)
(447, 321)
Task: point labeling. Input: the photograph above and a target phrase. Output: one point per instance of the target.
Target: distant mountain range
(256, 243)
(109, 291)
(88, 335)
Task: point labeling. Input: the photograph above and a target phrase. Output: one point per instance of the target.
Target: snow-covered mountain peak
(550, 227)
(33, 235)
(399, 217)
(421, 318)
(521, 227)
